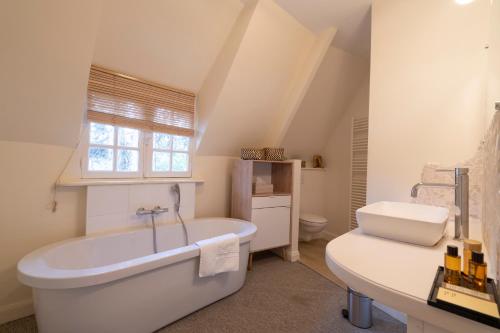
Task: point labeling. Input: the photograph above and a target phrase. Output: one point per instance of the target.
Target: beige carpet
(312, 255)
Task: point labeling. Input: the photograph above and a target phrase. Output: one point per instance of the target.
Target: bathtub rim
(33, 271)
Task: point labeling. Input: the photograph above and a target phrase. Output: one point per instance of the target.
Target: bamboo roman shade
(122, 100)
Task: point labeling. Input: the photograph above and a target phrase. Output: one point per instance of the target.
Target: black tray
(461, 311)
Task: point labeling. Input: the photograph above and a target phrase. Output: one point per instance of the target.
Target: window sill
(121, 181)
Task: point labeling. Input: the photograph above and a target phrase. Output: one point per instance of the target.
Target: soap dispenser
(452, 263)
(469, 246)
(477, 271)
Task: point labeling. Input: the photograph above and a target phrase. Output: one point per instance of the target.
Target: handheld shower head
(177, 192)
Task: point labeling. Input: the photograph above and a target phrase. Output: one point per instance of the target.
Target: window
(113, 151)
(137, 128)
(118, 152)
(169, 155)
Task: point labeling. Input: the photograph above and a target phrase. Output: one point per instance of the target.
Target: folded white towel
(219, 254)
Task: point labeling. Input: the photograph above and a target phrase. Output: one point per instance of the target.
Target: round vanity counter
(399, 275)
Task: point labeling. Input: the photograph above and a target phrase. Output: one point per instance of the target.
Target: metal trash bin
(359, 309)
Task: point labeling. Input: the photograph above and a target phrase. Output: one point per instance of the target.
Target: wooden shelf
(274, 194)
(267, 161)
(313, 169)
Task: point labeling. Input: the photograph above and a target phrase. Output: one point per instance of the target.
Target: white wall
(170, 42)
(493, 71)
(27, 174)
(46, 53)
(332, 89)
(213, 197)
(337, 156)
(427, 91)
(312, 192)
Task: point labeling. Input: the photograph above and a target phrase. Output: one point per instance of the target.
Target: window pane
(162, 141)
(127, 160)
(100, 159)
(180, 162)
(101, 134)
(181, 143)
(128, 137)
(161, 161)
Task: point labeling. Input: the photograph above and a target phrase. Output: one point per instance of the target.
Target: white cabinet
(270, 212)
(271, 215)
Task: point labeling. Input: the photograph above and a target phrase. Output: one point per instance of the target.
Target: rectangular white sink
(405, 222)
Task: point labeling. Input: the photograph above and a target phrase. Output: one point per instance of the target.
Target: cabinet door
(273, 228)
(272, 201)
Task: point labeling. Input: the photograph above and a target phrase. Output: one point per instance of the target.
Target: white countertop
(399, 275)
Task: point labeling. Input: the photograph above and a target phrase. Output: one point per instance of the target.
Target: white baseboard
(391, 312)
(16, 310)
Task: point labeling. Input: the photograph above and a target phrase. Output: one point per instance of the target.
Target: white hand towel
(219, 254)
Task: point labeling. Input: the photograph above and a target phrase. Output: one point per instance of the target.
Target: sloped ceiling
(166, 41)
(351, 17)
(46, 53)
(273, 51)
(330, 93)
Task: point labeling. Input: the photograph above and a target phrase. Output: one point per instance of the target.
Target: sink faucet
(461, 187)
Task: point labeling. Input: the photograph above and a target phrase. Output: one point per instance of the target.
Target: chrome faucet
(461, 187)
(153, 212)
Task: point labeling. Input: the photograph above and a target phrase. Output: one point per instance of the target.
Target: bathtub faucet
(153, 212)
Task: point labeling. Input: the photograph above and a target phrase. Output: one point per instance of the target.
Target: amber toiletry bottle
(469, 246)
(452, 265)
(477, 271)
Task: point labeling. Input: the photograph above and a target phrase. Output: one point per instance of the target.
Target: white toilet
(310, 226)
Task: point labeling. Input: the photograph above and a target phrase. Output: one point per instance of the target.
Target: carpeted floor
(278, 297)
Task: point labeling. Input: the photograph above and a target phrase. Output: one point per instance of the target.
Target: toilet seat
(312, 219)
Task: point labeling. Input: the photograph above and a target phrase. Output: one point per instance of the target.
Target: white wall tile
(114, 206)
(149, 196)
(105, 200)
(103, 223)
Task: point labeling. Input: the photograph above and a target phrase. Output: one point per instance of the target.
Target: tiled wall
(491, 192)
(484, 190)
(112, 207)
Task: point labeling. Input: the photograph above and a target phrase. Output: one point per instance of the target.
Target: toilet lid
(313, 218)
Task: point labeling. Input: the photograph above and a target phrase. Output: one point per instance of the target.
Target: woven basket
(274, 154)
(252, 154)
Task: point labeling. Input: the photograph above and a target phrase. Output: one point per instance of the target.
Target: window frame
(86, 173)
(148, 170)
(145, 149)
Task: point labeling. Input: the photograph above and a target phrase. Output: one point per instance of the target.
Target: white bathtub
(114, 282)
